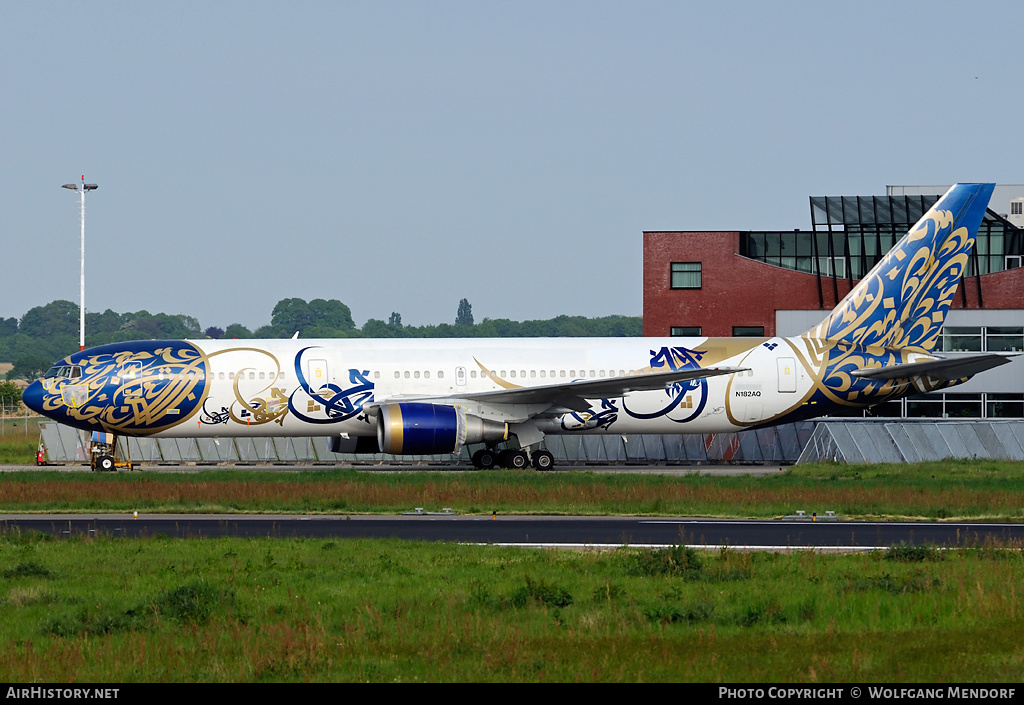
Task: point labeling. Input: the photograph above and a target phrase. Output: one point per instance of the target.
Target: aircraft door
(316, 374)
(787, 374)
(460, 376)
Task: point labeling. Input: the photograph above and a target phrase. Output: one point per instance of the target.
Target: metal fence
(16, 420)
(869, 441)
(781, 444)
(913, 442)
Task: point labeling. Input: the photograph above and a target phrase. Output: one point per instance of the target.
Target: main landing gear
(513, 459)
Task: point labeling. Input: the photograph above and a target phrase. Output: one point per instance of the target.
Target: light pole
(81, 306)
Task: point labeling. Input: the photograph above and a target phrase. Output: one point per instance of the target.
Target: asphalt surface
(642, 469)
(791, 533)
(804, 532)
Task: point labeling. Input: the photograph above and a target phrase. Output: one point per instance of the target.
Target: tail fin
(903, 301)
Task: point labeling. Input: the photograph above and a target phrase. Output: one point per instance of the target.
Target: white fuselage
(278, 387)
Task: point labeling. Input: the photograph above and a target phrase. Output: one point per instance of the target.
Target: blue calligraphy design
(336, 403)
(587, 420)
(689, 397)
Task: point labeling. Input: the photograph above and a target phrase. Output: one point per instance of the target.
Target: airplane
(435, 396)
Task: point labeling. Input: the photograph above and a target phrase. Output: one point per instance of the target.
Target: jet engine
(417, 428)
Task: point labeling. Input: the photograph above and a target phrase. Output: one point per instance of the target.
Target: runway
(583, 532)
(382, 467)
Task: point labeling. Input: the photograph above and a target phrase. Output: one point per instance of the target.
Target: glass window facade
(949, 405)
(983, 339)
(850, 234)
(961, 339)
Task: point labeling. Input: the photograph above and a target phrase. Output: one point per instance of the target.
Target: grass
(962, 490)
(236, 610)
(19, 438)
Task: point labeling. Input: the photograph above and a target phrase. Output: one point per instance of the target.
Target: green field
(965, 490)
(127, 610)
(235, 610)
(19, 437)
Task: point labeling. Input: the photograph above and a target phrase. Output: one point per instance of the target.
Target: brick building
(767, 283)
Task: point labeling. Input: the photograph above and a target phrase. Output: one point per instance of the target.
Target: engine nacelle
(353, 444)
(417, 428)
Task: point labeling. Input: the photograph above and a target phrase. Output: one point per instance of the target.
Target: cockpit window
(64, 372)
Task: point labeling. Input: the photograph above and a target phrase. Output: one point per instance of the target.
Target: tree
(319, 318)
(465, 315)
(331, 314)
(10, 396)
(376, 328)
(8, 327)
(29, 367)
(290, 315)
(55, 318)
(396, 320)
(214, 332)
(237, 330)
(103, 324)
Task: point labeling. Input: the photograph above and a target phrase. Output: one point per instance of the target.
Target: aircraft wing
(947, 368)
(573, 395)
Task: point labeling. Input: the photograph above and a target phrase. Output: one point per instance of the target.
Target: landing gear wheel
(484, 459)
(105, 463)
(513, 459)
(543, 460)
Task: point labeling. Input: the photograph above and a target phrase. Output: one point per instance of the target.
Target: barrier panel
(913, 442)
(868, 441)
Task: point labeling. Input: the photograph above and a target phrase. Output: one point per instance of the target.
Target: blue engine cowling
(416, 428)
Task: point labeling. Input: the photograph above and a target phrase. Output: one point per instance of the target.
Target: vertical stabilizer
(902, 302)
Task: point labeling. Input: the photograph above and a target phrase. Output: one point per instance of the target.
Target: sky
(401, 156)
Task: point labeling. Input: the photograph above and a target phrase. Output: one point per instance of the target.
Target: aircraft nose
(33, 397)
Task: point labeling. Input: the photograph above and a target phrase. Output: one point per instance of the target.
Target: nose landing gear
(103, 453)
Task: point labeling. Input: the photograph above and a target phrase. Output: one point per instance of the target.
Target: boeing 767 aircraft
(430, 396)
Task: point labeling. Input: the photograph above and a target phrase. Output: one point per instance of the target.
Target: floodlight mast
(81, 306)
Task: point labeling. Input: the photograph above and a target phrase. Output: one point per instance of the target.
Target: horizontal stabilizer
(947, 369)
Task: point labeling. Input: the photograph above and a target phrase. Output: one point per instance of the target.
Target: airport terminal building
(767, 283)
